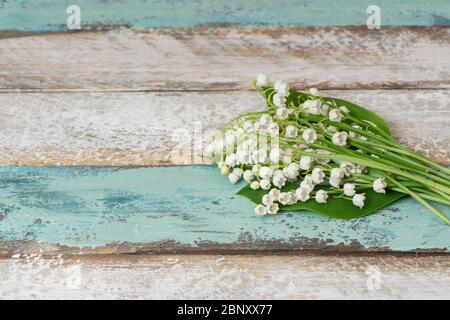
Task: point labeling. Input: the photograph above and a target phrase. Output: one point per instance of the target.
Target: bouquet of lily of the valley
(326, 155)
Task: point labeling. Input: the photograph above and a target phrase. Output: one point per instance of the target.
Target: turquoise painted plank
(81, 207)
(50, 15)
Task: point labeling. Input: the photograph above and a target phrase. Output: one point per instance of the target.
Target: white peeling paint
(142, 128)
(226, 277)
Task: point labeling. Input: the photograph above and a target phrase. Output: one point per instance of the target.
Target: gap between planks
(153, 128)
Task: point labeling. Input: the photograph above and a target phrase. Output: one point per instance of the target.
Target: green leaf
(337, 208)
(298, 97)
(362, 113)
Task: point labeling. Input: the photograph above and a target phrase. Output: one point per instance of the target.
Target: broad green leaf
(337, 208)
(357, 111)
(363, 114)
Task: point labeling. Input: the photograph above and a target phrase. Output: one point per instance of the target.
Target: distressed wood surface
(184, 209)
(103, 98)
(226, 59)
(151, 128)
(226, 277)
(50, 15)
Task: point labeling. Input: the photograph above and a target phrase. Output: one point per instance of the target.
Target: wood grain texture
(226, 59)
(50, 15)
(151, 128)
(225, 277)
(184, 209)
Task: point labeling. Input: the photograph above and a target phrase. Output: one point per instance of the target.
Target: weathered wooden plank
(226, 277)
(226, 59)
(50, 15)
(138, 129)
(183, 209)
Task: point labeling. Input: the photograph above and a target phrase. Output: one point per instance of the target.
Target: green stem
(372, 126)
(376, 165)
(407, 166)
(418, 198)
(359, 144)
(422, 191)
(407, 163)
(406, 152)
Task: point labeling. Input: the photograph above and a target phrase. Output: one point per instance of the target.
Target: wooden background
(92, 121)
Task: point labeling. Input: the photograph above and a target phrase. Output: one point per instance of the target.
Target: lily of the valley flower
(274, 155)
(358, 199)
(273, 208)
(309, 135)
(248, 175)
(336, 176)
(259, 156)
(273, 129)
(317, 175)
(260, 210)
(265, 172)
(344, 109)
(249, 145)
(302, 194)
(264, 184)
(279, 180)
(254, 185)
(230, 139)
(274, 193)
(321, 196)
(314, 91)
(284, 198)
(243, 157)
(313, 107)
(379, 185)
(282, 113)
(279, 101)
(261, 80)
(286, 159)
(347, 167)
(238, 171)
(224, 170)
(282, 88)
(307, 183)
(291, 132)
(335, 115)
(305, 162)
(235, 175)
(231, 160)
(291, 171)
(340, 138)
(265, 119)
(349, 189)
(337, 173)
(267, 199)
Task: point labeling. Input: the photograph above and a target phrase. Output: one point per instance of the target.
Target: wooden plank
(226, 277)
(50, 15)
(183, 209)
(150, 128)
(226, 59)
